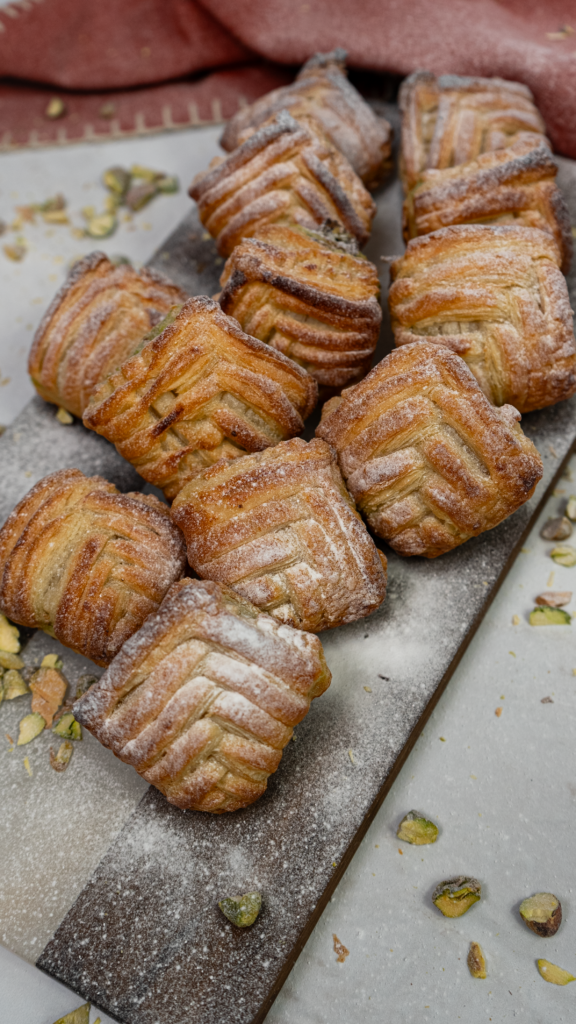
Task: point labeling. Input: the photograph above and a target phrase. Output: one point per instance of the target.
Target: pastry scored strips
(201, 391)
(282, 530)
(428, 460)
(321, 92)
(94, 323)
(496, 296)
(449, 120)
(514, 185)
(204, 698)
(86, 563)
(309, 294)
(284, 173)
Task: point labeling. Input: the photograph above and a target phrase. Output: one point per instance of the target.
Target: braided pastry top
(283, 173)
(93, 324)
(282, 530)
(309, 296)
(86, 563)
(514, 185)
(322, 91)
(449, 120)
(201, 391)
(429, 461)
(204, 698)
(496, 296)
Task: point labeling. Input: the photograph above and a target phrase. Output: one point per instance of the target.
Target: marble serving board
(145, 940)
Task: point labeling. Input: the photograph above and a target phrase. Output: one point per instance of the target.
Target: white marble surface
(502, 789)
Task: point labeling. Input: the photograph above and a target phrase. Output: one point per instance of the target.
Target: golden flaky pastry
(281, 529)
(515, 185)
(205, 697)
(449, 120)
(86, 563)
(283, 173)
(322, 91)
(311, 295)
(200, 391)
(94, 323)
(496, 296)
(429, 461)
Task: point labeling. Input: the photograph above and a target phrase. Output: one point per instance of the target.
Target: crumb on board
(339, 949)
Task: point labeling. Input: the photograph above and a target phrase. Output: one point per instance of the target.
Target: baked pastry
(428, 460)
(281, 529)
(284, 173)
(86, 563)
(514, 185)
(201, 391)
(205, 697)
(94, 323)
(322, 91)
(496, 296)
(309, 294)
(449, 120)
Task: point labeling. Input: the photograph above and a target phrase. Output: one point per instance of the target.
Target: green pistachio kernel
(416, 829)
(542, 913)
(549, 617)
(455, 896)
(241, 910)
(564, 554)
(68, 727)
(555, 975)
(30, 727)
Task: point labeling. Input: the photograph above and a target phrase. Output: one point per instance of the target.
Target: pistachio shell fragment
(455, 896)
(241, 910)
(49, 688)
(476, 962)
(79, 1016)
(68, 727)
(564, 554)
(555, 598)
(571, 508)
(9, 636)
(117, 180)
(30, 727)
(14, 685)
(542, 913)
(60, 761)
(416, 829)
(552, 973)
(8, 660)
(549, 617)
(558, 528)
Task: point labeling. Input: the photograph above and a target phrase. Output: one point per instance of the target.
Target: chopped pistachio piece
(416, 829)
(84, 683)
(555, 975)
(117, 180)
(14, 685)
(52, 661)
(476, 962)
(571, 508)
(30, 727)
(138, 171)
(15, 252)
(168, 184)
(241, 910)
(456, 895)
(9, 636)
(102, 225)
(139, 196)
(68, 727)
(564, 554)
(60, 761)
(49, 688)
(56, 108)
(79, 1016)
(555, 598)
(558, 528)
(8, 660)
(63, 416)
(542, 913)
(549, 617)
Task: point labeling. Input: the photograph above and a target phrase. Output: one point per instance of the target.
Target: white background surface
(502, 790)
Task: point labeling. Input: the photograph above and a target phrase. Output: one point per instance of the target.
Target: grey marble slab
(145, 939)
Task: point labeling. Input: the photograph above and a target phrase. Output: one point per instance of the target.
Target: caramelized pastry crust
(94, 323)
(429, 461)
(322, 91)
(86, 563)
(201, 391)
(205, 697)
(449, 120)
(284, 173)
(281, 529)
(496, 296)
(514, 185)
(308, 295)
